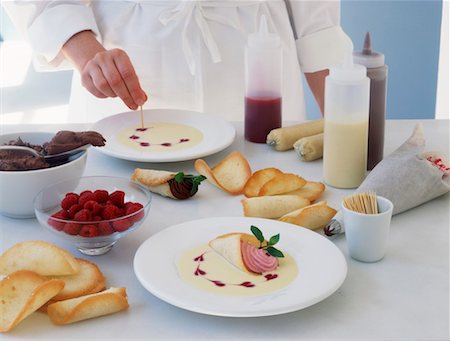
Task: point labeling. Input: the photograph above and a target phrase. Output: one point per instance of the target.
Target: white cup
(367, 234)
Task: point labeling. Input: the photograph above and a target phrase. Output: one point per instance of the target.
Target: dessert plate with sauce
(164, 135)
(177, 266)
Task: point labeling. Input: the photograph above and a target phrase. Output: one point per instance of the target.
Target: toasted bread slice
(311, 191)
(312, 217)
(282, 183)
(155, 180)
(41, 257)
(258, 179)
(85, 307)
(88, 280)
(272, 206)
(203, 169)
(151, 177)
(22, 293)
(229, 247)
(230, 174)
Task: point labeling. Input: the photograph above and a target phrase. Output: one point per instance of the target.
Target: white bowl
(19, 188)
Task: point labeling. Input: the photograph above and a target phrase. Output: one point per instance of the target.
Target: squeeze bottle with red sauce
(263, 71)
(377, 72)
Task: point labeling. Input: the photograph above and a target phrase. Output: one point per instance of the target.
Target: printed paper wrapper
(408, 177)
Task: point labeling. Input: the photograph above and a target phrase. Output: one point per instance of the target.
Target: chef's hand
(104, 73)
(111, 74)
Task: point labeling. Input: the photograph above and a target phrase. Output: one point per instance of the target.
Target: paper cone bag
(409, 177)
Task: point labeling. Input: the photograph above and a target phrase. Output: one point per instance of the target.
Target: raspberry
(128, 204)
(82, 215)
(72, 228)
(69, 200)
(97, 218)
(85, 197)
(122, 225)
(133, 208)
(74, 209)
(117, 198)
(62, 214)
(58, 225)
(93, 206)
(101, 196)
(89, 231)
(104, 228)
(109, 212)
(120, 212)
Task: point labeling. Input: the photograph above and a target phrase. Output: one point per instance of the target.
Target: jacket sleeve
(48, 25)
(321, 41)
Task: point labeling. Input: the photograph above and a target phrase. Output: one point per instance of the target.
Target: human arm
(64, 34)
(316, 82)
(321, 41)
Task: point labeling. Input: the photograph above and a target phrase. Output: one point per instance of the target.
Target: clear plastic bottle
(377, 72)
(263, 98)
(346, 125)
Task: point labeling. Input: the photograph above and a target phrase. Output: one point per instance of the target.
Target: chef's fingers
(100, 82)
(115, 81)
(129, 76)
(88, 83)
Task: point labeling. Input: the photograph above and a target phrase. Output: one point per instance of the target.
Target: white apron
(189, 55)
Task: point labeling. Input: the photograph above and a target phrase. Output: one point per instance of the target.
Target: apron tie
(197, 10)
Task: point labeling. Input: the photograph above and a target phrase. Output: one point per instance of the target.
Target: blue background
(408, 33)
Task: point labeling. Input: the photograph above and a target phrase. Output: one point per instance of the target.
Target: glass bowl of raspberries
(93, 212)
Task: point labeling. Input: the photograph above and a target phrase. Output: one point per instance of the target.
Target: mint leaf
(274, 239)
(274, 252)
(257, 233)
(196, 180)
(179, 177)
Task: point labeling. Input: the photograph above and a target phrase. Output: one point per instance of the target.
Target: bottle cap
(263, 38)
(348, 71)
(368, 57)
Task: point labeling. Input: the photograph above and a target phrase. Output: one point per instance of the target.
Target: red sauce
(269, 277)
(217, 283)
(148, 144)
(262, 114)
(199, 258)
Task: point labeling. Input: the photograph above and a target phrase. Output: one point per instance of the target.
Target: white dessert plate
(217, 134)
(321, 268)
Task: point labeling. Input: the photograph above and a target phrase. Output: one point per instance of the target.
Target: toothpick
(142, 117)
(362, 203)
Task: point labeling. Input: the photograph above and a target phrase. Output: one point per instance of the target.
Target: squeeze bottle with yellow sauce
(347, 91)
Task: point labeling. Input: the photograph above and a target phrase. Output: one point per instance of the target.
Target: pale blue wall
(407, 32)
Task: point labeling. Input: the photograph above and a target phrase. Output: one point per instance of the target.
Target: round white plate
(321, 268)
(217, 134)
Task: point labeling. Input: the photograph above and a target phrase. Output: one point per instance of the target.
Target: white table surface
(403, 297)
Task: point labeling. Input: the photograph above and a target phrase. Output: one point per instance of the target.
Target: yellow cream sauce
(206, 270)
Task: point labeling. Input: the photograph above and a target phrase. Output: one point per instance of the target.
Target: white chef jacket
(187, 54)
